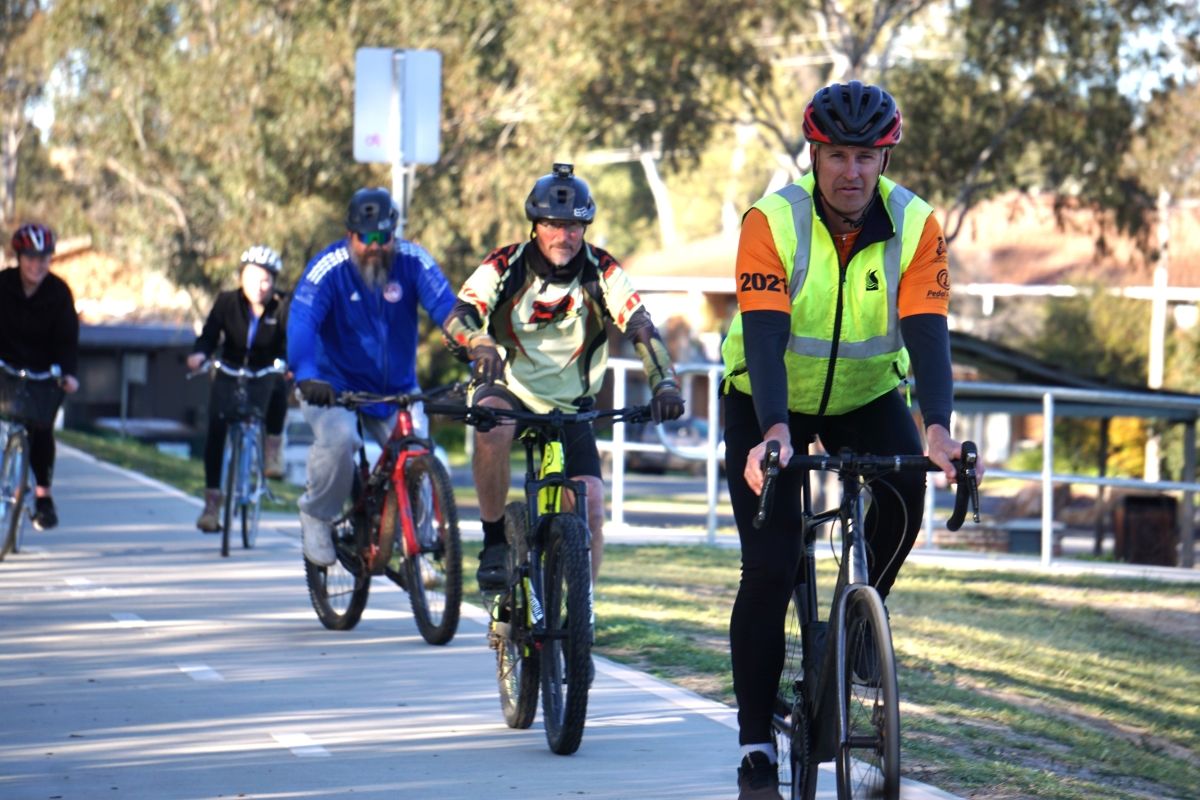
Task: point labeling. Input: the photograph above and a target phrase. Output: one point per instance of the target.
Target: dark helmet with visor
(560, 196)
(262, 256)
(852, 114)
(372, 210)
(33, 239)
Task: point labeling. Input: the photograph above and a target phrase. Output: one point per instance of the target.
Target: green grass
(185, 474)
(1013, 685)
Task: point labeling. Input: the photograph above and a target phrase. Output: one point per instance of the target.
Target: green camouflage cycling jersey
(552, 334)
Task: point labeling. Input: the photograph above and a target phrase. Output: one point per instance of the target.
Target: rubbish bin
(1145, 529)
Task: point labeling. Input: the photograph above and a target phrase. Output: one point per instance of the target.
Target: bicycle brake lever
(969, 458)
(766, 497)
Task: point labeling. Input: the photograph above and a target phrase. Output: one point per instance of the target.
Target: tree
(22, 77)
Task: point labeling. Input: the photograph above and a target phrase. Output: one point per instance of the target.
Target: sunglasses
(375, 237)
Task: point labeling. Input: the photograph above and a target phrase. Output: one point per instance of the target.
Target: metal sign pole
(399, 194)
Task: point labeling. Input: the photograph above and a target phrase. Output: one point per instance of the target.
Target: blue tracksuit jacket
(357, 339)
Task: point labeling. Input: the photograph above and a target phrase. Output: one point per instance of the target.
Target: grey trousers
(331, 457)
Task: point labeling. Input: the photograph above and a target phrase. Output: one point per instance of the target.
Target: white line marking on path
(127, 620)
(200, 672)
(301, 744)
(136, 476)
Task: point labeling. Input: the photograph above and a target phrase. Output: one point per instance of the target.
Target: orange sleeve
(761, 279)
(925, 286)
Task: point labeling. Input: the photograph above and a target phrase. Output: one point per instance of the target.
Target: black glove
(667, 402)
(489, 366)
(317, 393)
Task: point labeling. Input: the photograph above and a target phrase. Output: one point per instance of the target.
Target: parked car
(686, 432)
(298, 436)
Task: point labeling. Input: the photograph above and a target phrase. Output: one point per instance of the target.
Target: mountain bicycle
(401, 521)
(838, 697)
(542, 623)
(243, 474)
(27, 398)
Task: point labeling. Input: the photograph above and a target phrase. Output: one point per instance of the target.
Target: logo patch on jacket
(872, 281)
(544, 313)
(392, 292)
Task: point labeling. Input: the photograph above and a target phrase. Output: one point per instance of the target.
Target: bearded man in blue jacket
(353, 326)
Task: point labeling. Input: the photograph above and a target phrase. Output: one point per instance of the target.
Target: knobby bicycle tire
(251, 498)
(868, 760)
(790, 717)
(234, 439)
(434, 573)
(567, 649)
(517, 664)
(339, 591)
(14, 486)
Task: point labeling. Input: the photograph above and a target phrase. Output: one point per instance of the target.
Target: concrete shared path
(135, 662)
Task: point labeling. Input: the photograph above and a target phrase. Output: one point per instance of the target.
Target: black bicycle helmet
(854, 114)
(33, 239)
(560, 195)
(372, 210)
(262, 256)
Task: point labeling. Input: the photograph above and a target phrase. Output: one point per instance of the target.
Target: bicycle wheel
(517, 664)
(790, 718)
(567, 648)
(434, 573)
(252, 484)
(13, 489)
(868, 760)
(339, 591)
(233, 451)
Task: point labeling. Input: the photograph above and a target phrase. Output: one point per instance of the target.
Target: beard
(373, 267)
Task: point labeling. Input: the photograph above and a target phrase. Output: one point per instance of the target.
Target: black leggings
(214, 440)
(771, 554)
(41, 455)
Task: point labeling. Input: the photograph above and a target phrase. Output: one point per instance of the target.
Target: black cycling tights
(771, 554)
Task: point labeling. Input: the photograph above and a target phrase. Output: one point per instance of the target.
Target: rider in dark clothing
(38, 329)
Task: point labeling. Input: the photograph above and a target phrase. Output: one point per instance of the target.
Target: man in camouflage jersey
(531, 319)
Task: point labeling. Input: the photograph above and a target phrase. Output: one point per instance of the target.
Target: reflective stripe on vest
(871, 358)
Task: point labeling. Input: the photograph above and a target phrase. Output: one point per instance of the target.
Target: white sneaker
(317, 537)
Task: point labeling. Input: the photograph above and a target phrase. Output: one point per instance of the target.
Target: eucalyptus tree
(23, 68)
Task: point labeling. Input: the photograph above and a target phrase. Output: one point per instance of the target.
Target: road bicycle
(401, 521)
(27, 398)
(838, 696)
(542, 623)
(243, 472)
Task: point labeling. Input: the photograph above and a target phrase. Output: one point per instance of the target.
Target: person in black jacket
(250, 328)
(38, 329)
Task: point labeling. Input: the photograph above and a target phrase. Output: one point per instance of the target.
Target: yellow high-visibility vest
(868, 359)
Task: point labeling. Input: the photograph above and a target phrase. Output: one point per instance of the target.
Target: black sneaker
(758, 777)
(44, 515)
(493, 568)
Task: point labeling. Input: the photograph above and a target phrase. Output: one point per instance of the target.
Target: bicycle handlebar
(278, 367)
(485, 418)
(354, 400)
(846, 462)
(52, 374)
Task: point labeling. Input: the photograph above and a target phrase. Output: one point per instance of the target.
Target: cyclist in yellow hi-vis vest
(842, 278)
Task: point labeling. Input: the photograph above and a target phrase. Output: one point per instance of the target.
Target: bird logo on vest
(872, 280)
(545, 313)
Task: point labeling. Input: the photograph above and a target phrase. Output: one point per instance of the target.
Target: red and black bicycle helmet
(852, 114)
(33, 239)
